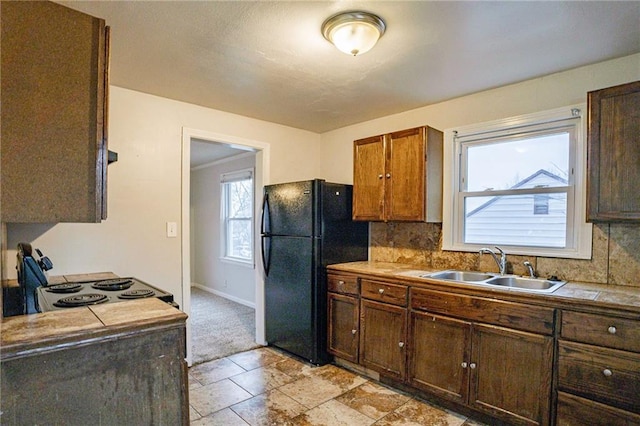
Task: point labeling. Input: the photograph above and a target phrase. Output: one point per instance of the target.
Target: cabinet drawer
(601, 330)
(343, 284)
(606, 375)
(387, 293)
(573, 410)
(536, 319)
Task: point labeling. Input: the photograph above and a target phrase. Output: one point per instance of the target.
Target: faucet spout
(501, 262)
(532, 272)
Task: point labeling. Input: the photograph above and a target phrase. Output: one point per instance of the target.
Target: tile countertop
(24, 334)
(584, 295)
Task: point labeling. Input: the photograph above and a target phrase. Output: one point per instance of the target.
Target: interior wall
(232, 280)
(144, 189)
(548, 92)
(615, 248)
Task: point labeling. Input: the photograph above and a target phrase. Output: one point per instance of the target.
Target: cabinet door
(439, 351)
(343, 327)
(54, 155)
(405, 176)
(614, 154)
(511, 374)
(383, 331)
(368, 179)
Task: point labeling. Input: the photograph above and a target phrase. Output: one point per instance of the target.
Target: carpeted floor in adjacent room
(219, 327)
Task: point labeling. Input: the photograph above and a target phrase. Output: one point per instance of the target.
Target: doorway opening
(219, 286)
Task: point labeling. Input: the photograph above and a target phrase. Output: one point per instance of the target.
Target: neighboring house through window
(237, 215)
(518, 183)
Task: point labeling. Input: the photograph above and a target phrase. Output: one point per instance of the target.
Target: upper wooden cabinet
(398, 176)
(613, 164)
(54, 114)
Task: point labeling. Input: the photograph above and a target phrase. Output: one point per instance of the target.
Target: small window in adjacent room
(518, 183)
(541, 204)
(237, 215)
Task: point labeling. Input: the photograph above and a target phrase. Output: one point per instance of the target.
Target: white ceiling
(268, 59)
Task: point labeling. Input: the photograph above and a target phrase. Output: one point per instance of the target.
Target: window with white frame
(518, 183)
(237, 215)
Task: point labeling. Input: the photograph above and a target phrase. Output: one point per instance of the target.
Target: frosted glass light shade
(353, 33)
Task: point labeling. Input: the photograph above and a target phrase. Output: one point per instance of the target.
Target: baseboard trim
(225, 295)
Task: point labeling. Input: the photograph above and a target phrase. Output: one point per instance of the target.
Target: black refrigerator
(305, 227)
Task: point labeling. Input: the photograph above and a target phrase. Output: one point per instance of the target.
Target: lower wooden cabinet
(511, 360)
(439, 355)
(598, 369)
(383, 336)
(512, 375)
(505, 373)
(343, 329)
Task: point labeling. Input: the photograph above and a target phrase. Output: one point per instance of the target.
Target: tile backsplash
(615, 257)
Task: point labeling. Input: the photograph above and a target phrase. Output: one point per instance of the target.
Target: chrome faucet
(532, 272)
(502, 262)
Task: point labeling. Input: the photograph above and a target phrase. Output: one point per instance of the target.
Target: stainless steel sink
(526, 283)
(460, 276)
(513, 282)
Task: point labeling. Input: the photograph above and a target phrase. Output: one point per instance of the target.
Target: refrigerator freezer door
(290, 209)
(289, 296)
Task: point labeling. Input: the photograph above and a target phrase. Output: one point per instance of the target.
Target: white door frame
(261, 178)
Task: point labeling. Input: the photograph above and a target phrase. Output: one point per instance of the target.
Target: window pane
(239, 239)
(240, 196)
(513, 220)
(537, 161)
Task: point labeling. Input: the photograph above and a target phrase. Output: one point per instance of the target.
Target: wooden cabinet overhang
(54, 114)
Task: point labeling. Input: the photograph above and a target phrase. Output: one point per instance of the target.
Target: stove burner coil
(137, 294)
(65, 288)
(113, 284)
(81, 300)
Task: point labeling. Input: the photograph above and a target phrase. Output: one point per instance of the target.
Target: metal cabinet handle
(341, 282)
(612, 330)
(464, 365)
(381, 290)
(354, 331)
(380, 176)
(401, 344)
(388, 175)
(607, 372)
(472, 365)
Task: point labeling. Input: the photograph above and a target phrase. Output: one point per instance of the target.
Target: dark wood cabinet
(599, 366)
(511, 374)
(54, 114)
(344, 327)
(613, 164)
(514, 358)
(383, 335)
(398, 176)
(503, 372)
(431, 337)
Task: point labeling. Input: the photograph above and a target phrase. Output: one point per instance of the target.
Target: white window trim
(579, 246)
(232, 177)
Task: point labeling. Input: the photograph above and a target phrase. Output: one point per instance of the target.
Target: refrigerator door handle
(266, 255)
(264, 226)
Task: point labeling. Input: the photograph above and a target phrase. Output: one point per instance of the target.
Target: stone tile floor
(267, 387)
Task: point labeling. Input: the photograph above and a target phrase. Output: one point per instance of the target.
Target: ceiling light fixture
(353, 33)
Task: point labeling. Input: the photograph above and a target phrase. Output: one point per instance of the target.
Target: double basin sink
(515, 282)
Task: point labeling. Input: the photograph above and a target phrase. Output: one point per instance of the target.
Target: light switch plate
(172, 229)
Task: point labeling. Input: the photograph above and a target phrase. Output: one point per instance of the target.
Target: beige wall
(144, 188)
(235, 281)
(616, 248)
(145, 184)
(552, 91)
